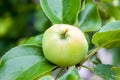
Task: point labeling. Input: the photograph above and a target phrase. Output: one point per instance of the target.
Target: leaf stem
(93, 52)
(87, 68)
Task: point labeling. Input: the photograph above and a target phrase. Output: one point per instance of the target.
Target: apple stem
(93, 52)
(63, 34)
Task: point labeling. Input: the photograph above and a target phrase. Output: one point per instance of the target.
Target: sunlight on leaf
(108, 36)
(61, 11)
(89, 19)
(24, 62)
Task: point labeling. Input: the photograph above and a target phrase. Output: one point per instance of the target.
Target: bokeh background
(19, 20)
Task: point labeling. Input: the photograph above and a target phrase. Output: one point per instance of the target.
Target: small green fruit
(64, 45)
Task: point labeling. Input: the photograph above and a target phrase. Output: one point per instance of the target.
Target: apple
(64, 45)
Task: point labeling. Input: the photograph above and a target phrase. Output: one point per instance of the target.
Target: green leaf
(41, 21)
(108, 36)
(89, 19)
(114, 11)
(52, 9)
(117, 71)
(24, 62)
(48, 77)
(61, 11)
(110, 9)
(70, 11)
(72, 74)
(37, 40)
(105, 71)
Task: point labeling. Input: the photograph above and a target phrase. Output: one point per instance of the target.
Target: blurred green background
(20, 19)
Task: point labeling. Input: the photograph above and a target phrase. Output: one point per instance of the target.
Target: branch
(59, 73)
(88, 68)
(93, 52)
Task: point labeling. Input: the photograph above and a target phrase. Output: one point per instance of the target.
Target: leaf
(117, 71)
(89, 19)
(41, 21)
(105, 71)
(52, 9)
(24, 62)
(72, 74)
(61, 11)
(48, 77)
(108, 36)
(36, 40)
(70, 11)
(114, 11)
(110, 9)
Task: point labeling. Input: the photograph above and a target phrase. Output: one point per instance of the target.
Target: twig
(89, 56)
(59, 73)
(88, 68)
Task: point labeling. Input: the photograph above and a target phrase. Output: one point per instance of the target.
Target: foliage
(22, 25)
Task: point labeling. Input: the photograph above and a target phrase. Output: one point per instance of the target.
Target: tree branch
(93, 52)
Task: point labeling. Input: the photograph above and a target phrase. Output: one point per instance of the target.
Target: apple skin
(64, 45)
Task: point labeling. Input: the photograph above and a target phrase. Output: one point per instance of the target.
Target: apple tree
(71, 33)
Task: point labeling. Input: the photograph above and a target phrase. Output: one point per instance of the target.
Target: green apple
(64, 45)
